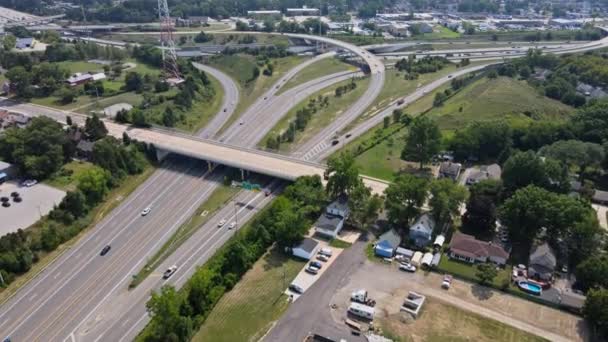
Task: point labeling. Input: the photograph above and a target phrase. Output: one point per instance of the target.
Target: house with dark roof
(306, 249)
(24, 43)
(421, 232)
(84, 149)
(542, 262)
(467, 248)
(339, 207)
(387, 244)
(486, 172)
(330, 223)
(449, 170)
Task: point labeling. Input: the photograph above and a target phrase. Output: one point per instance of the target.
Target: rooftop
(307, 245)
(468, 245)
(328, 222)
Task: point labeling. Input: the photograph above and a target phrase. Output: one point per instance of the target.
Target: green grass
(202, 111)
(66, 178)
(248, 310)
(484, 99)
(141, 68)
(324, 67)
(80, 66)
(494, 99)
(323, 117)
(439, 32)
(337, 243)
(467, 271)
(131, 98)
(240, 68)
(216, 200)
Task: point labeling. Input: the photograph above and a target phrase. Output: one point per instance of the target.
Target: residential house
(449, 170)
(486, 172)
(84, 149)
(78, 79)
(25, 43)
(421, 231)
(330, 223)
(467, 248)
(387, 244)
(19, 120)
(542, 262)
(306, 249)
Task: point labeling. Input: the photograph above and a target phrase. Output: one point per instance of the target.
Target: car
(312, 270)
(6, 204)
(232, 225)
(407, 267)
(4, 199)
(225, 109)
(335, 142)
(322, 257)
(17, 199)
(14, 194)
(316, 264)
(447, 281)
(221, 223)
(277, 87)
(105, 250)
(449, 76)
(267, 192)
(241, 123)
(296, 288)
(146, 211)
(326, 251)
(169, 271)
(265, 97)
(29, 182)
(348, 135)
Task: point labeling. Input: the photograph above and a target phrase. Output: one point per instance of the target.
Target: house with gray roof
(542, 262)
(306, 249)
(330, 223)
(421, 231)
(449, 170)
(485, 172)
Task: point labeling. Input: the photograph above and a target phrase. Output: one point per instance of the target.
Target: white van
(326, 251)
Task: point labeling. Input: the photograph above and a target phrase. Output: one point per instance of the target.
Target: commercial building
(304, 11)
(263, 15)
(78, 79)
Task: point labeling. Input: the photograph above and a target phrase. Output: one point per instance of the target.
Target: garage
(306, 249)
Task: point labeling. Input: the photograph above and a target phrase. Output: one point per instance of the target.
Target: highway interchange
(83, 297)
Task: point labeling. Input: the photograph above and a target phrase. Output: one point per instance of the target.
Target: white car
(296, 288)
(326, 251)
(29, 182)
(232, 225)
(447, 282)
(145, 211)
(407, 267)
(169, 271)
(221, 223)
(322, 257)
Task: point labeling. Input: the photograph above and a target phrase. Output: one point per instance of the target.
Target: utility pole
(236, 217)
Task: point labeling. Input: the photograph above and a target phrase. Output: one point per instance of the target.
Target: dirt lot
(388, 286)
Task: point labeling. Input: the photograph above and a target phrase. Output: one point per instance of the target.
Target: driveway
(601, 214)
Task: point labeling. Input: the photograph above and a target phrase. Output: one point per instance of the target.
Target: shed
(427, 259)
(387, 244)
(436, 260)
(439, 240)
(408, 253)
(416, 259)
(306, 249)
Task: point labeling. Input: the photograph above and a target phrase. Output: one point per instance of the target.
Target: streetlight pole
(236, 217)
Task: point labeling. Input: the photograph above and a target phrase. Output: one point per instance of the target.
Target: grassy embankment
(324, 67)
(485, 99)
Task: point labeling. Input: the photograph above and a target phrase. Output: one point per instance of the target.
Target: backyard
(249, 309)
(467, 271)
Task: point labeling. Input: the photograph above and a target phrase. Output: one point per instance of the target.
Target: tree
(122, 116)
(94, 128)
(169, 118)
(9, 41)
(93, 183)
(446, 198)
(484, 140)
(596, 309)
(387, 121)
(116, 70)
(66, 95)
(363, 206)
(139, 118)
(397, 114)
(167, 324)
(486, 273)
(575, 153)
(74, 202)
(525, 168)
(343, 175)
(202, 37)
(21, 81)
(592, 272)
(482, 208)
(133, 81)
(404, 198)
(422, 142)
(68, 120)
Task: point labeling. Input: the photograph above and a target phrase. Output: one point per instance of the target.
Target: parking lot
(37, 201)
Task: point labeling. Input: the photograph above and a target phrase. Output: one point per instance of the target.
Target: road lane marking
(132, 327)
(32, 297)
(57, 274)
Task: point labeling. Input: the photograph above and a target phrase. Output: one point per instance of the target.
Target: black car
(6, 204)
(14, 194)
(105, 250)
(17, 199)
(3, 199)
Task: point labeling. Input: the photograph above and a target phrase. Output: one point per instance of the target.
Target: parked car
(316, 264)
(6, 204)
(4, 199)
(296, 288)
(447, 281)
(267, 192)
(17, 199)
(322, 257)
(105, 250)
(169, 271)
(29, 182)
(146, 211)
(312, 270)
(221, 223)
(14, 194)
(326, 251)
(407, 267)
(232, 225)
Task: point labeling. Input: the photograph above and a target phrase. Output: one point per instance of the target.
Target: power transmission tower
(166, 40)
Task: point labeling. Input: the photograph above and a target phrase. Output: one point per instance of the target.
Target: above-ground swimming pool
(530, 288)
